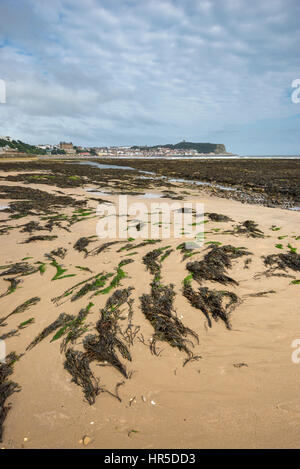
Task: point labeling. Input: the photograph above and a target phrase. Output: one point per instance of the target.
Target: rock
(86, 440)
(191, 245)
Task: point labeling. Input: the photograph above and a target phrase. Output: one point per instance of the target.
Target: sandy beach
(236, 386)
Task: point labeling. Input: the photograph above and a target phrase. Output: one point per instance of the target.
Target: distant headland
(188, 148)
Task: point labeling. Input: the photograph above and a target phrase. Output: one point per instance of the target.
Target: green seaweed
(291, 248)
(97, 283)
(21, 308)
(42, 267)
(120, 274)
(60, 271)
(14, 282)
(24, 324)
(60, 321)
(188, 279)
(85, 269)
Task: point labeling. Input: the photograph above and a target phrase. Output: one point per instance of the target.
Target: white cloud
(115, 72)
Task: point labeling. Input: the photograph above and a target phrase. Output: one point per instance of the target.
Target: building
(67, 147)
(9, 139)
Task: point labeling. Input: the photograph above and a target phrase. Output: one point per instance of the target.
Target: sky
(147, 72)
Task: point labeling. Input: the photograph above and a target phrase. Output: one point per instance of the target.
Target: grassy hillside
(22, 147)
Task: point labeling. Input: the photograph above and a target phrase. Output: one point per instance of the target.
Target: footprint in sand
(290, 406)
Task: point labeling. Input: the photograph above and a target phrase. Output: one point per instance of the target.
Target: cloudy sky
(121, 72)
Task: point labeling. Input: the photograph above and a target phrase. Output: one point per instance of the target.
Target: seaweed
(40, 238)
(7, 387)
(14, 282)
(9, 334)
(42, 267)
(210, 302)
(215, 263)
(74, 329)
(98, 277)
(250, 229)
(97, 283)
(77, 364)
(59, 252)
(261, 293)
(158, 308)
(120, 274)
(84, 269)
(52, 222)
(104, 346)
(291, 248)
(19, 269)
(59, 322)
(5, 229)
(26, 323)
(31, 226)
(60, 271)
(282, 261)
(98, 250)
(82, 243)
(188, 249)
(130, 246)
(21, 308)
(150, 259)
(218, 217)
(30, 199)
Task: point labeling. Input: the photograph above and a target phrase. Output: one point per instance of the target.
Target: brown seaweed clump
(40, 238)
(250, 229)
(211, 303)
(77, 364)
(152, 257)
(282, 261)
(19, 269)
(14, 282)
(74, 328)
(7, 387)
(159, 310)
(31, 226)
(105, 346)
(20, 309)
(215, 263)
(59, 252)
(82, 243)
(30, 199)
(218, 217)
(103, 247)
(62, 320)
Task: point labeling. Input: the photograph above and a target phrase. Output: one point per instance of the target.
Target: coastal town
(11, 148)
